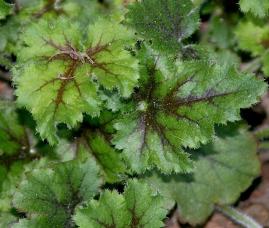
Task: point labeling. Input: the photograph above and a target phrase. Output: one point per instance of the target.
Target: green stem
(238, 217)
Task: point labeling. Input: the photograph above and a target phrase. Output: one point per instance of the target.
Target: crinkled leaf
(222, 171)
(27, 11)
(49, 196)
(175, 109)
(166, 22)
(259, 8)
(58, 67)
(136, 207)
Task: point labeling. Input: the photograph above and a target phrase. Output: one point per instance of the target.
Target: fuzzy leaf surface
(259, 8)
(49, 196)
(178, 108)
(57, 70)
(223, 169)
(166, 22)
(136, 207)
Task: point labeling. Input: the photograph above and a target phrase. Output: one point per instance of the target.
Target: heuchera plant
(119, 114)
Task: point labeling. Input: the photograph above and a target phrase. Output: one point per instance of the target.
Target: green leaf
(223, 169)
(56, 82)
(17, 152)
(50, 196)
(252, 37)
(97, 146)
(13, 137)
(220, 32)
(34, 10)
(136, 207)
(166, 22)
(5, 9)
(175, 109)
(259, 8)
(14, 170)
(7, 219)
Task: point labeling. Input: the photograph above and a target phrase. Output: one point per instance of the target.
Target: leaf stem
(238, 216)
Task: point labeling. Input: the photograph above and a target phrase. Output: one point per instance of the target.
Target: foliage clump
(121, 110)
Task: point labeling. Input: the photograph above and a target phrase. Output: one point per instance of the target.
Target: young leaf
(49, 196)
(178, 108)
(257, 44)
(254, 39)
(166, 22)
(56, 81)
(222, 171)
(137, 207)
(259, 8)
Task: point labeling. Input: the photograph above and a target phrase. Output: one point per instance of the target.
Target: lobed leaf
(257, 45)
(56, 81)
(223, 169)
(50, 196)
(136, 207)
(178, 108)
(165, 22)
